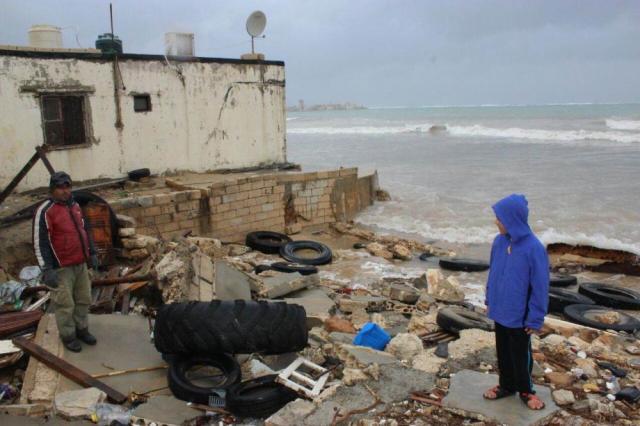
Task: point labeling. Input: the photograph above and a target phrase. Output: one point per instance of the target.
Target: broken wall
(230, 209)
(205, 114)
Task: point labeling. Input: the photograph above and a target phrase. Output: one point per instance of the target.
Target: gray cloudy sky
(379, 52)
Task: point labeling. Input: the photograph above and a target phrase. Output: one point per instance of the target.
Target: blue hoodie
(518, 284)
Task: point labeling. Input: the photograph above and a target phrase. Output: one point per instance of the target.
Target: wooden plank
(68, 370)
(21, 174)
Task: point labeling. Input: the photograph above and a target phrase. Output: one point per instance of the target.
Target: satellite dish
(256, 22)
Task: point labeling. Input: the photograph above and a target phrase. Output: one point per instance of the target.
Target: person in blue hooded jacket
(517, 298)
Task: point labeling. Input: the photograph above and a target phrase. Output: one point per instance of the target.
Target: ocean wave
(292, 118)
(485, 234)
(623, 124)
(543, 135)
(360, 130)
(550, 236)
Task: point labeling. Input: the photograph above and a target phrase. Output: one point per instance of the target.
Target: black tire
(258, 398)
(261, 268)
(455, 318)
(466, 265)
(266, 241)
(585, 315)
(611, 296)
(294, 267)
(560, 298)
(188, 389)
(138, 174)
(559, 280)
(425, 256)
(359, 246)
(206, 328)
(324, 253)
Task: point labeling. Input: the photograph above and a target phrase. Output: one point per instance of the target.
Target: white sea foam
(292, 118)
(486, 234)
(541, 135)
(544, 135)
(360, 130)
(623, 124)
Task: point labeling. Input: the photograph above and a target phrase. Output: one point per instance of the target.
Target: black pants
(514, 359)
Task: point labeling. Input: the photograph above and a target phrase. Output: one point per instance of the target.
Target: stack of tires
(198, 340)
(593, 304)
(276, 243)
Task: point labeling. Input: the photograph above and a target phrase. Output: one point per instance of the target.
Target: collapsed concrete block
(441, 289)
(316, 303)
(285, 283)
(403, 293)
(405, 346)
(164, 410)
(356, 303)
(291, 414)
(78, 404)
(230, 283)
(362, 356)
(125, 221)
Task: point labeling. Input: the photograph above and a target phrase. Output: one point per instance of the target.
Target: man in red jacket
(63, 249)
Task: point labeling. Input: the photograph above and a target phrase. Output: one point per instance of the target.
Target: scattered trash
(304, 377)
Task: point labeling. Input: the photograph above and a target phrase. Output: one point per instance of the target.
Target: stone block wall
(229, 210)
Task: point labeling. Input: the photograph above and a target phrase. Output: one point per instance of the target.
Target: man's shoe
(86, 337)
(72, 344)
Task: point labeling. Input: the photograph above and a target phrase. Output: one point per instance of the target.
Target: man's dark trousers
(514, 359)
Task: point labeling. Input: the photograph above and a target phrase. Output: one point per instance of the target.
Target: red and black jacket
(60, 236)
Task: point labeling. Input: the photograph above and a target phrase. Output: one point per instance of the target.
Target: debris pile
(315, 349)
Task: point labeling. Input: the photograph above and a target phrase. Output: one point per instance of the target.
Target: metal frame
(315, 386)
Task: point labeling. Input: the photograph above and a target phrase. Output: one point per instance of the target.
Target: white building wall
(205, 116)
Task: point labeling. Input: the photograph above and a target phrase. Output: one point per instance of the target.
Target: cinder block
(162, 199)
(169, 227)
(181, 196)
(228, 198)
(163, 218)
(152, 211)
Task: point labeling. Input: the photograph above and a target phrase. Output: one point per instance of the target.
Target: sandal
(498, 392)
(528, 398)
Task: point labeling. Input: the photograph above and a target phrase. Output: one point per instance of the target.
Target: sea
(444, 166)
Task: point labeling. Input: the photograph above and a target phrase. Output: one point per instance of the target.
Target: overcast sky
(389, 53)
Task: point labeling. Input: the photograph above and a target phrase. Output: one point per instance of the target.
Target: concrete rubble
(412, 381)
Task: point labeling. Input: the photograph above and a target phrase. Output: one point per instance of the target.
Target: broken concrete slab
(362, 356)
(315, 302)
(285, 283)
(231, 283)
(394, 384)
(123, 343)
(356, 303)
(465, 395)
(77, 404)
(164, 410)
(338, 337)
(203, 278)
(291, 413)
(403, 293)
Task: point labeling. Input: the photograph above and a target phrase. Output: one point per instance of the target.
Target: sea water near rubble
(579, 166)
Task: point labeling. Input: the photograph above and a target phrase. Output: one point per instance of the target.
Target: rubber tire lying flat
(612, 296)
(426, 256)
(454, 319)
(324, 253)
(183, 388)
(138, 174)
(560, 298)
(559, 280)
(266, 241)
(258, 398)
(466, 265)
(294, 267)
(206, 328)
(583, 314)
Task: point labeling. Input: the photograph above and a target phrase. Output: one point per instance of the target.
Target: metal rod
(111, 18)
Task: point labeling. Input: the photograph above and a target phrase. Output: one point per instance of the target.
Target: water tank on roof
(109, 43)
(45, 36)
(179, 44)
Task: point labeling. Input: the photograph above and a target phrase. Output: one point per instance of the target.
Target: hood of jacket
(513, 212)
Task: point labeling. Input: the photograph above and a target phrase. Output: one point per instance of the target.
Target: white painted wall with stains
(205, 116)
